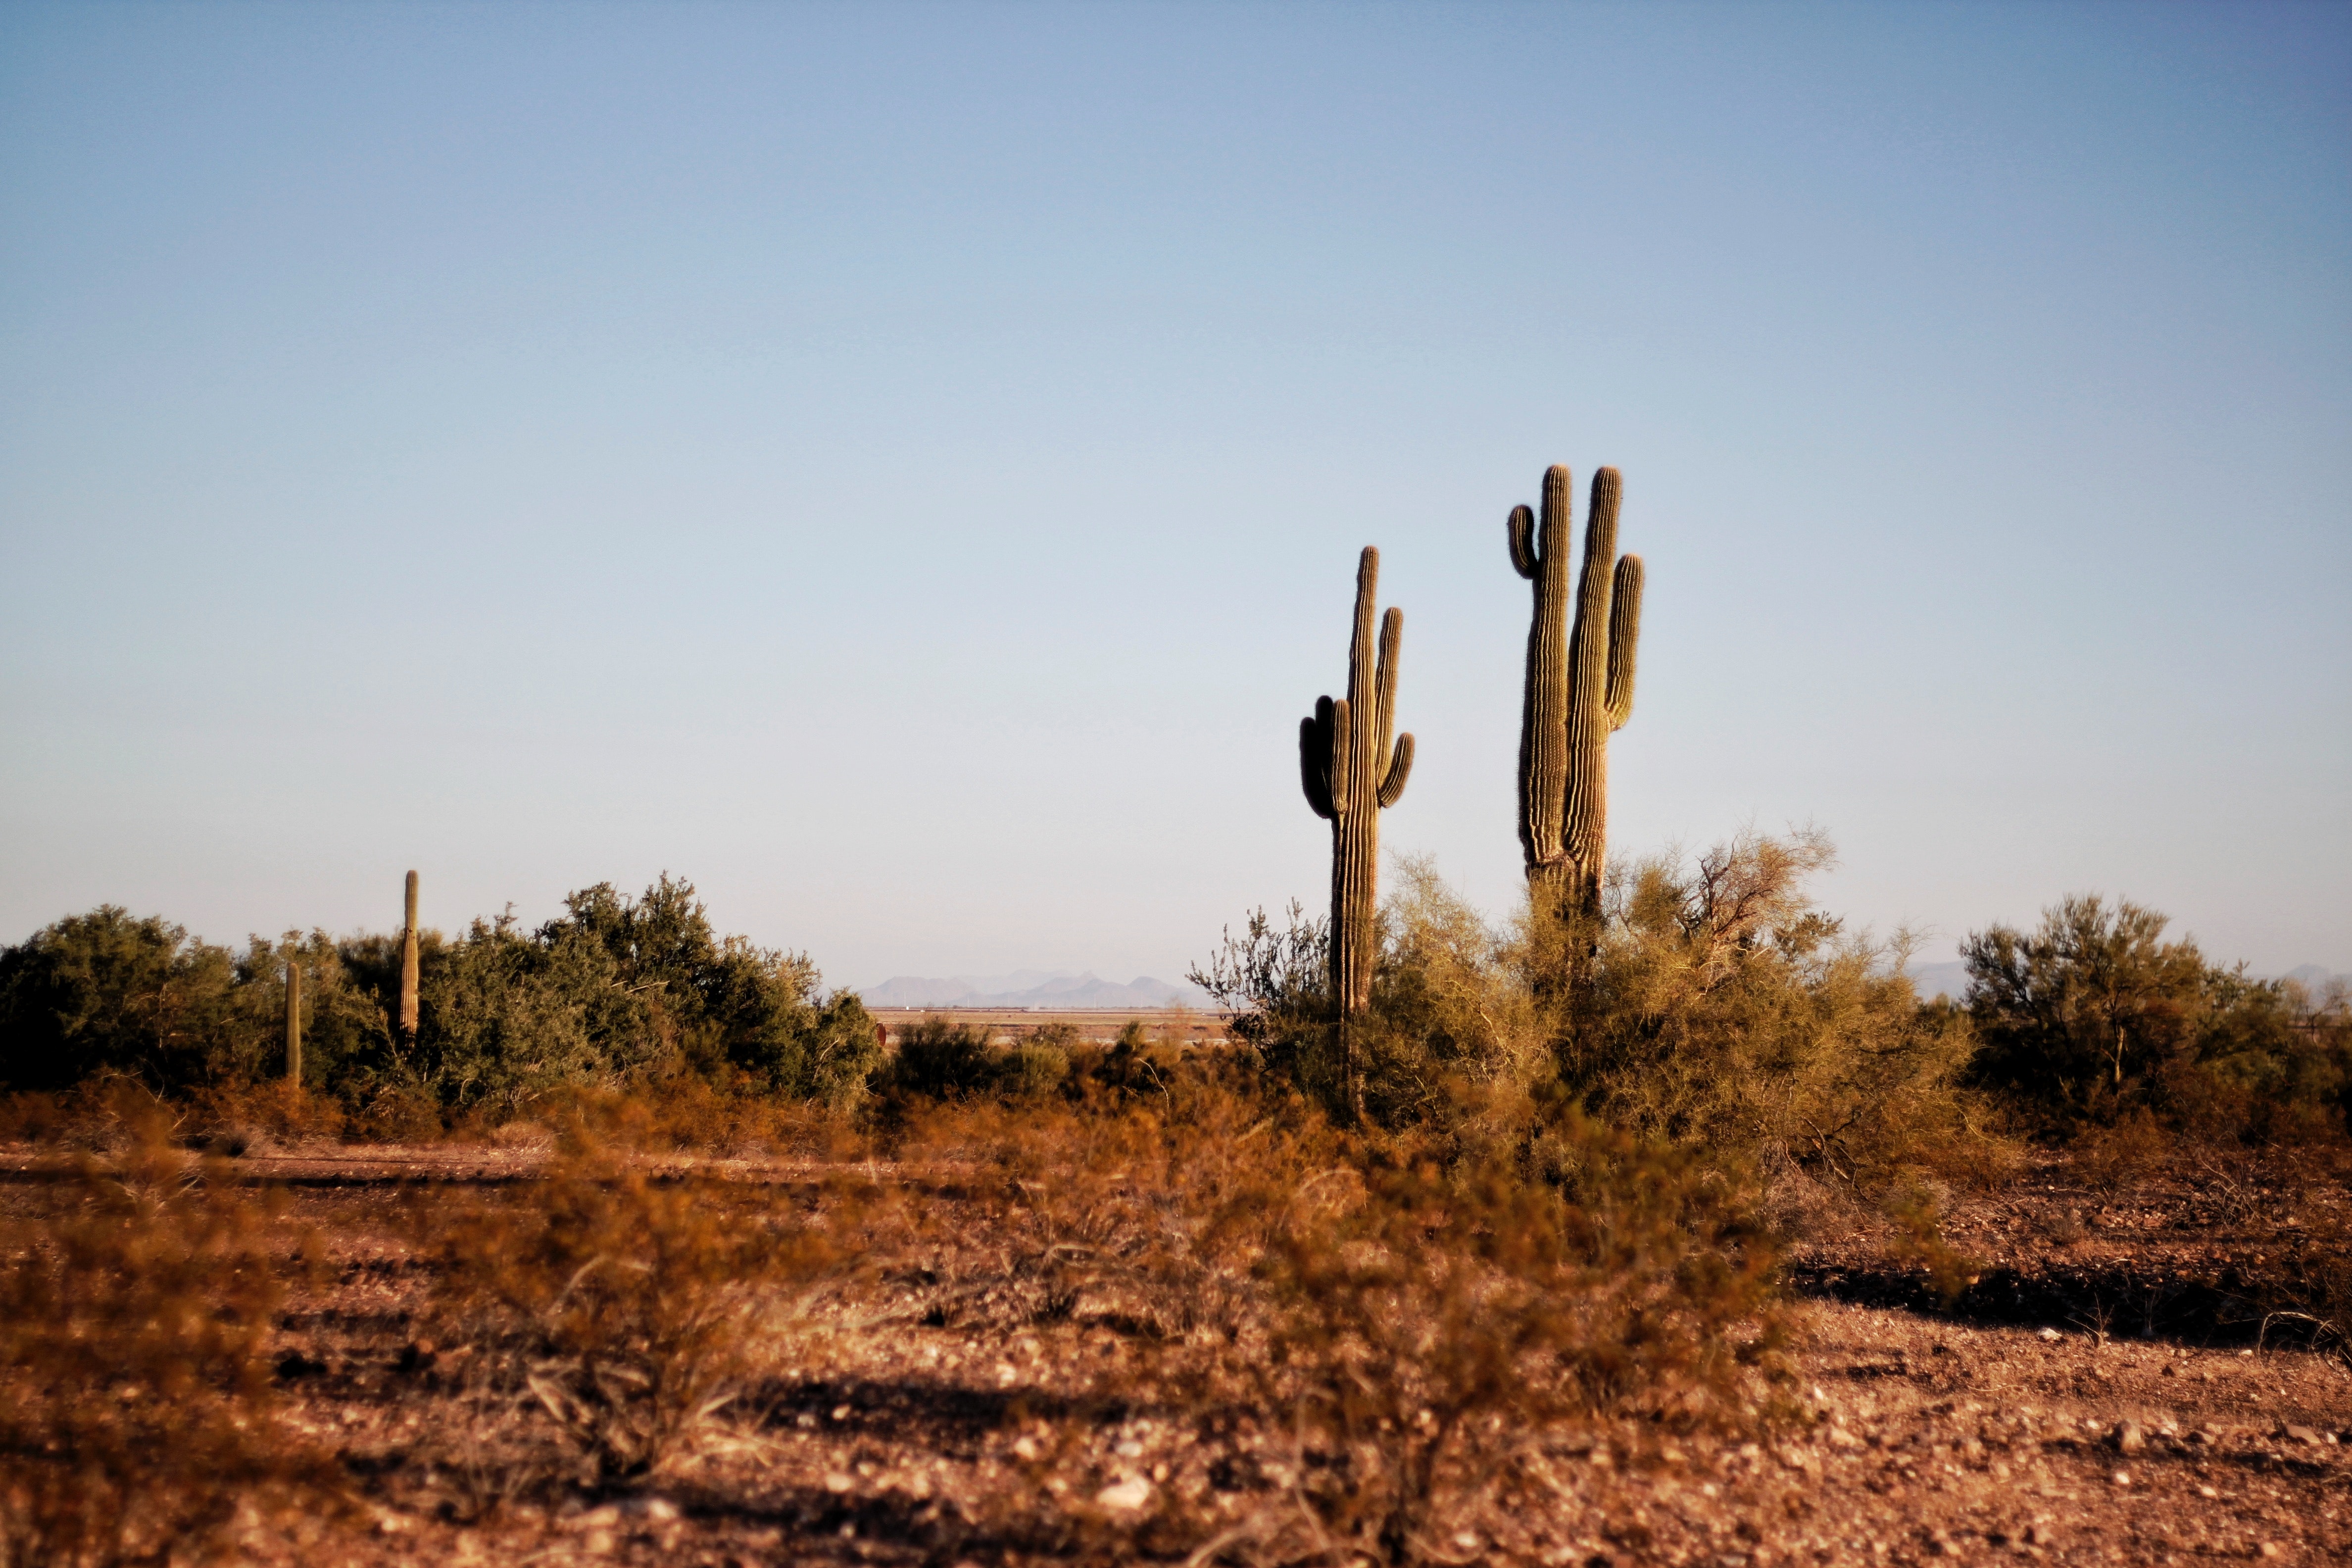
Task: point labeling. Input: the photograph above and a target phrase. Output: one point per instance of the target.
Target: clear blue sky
(902, 467)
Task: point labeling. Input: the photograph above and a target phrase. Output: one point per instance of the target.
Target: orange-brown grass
(137, 1420)
(1427, 1329)
(628, 1308)
(1412, 1329)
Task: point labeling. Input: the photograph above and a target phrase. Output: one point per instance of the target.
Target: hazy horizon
(902, 469)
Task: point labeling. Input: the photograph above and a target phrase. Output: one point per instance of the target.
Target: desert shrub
(615, 990)
(2093, 1020)
(628, 1308)
(938, 1059)
(1720, 1006)
(136, 1414)
(1712, 1004)
(1423, 1321)
(1101, 1205)
(105, 993)
(1041, 1061)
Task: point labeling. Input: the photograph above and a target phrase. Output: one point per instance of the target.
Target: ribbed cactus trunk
(1352, 770)
(1579, 690)
(293, 1022)
(408, 966)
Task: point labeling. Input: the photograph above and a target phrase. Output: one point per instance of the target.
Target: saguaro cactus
(1579, 689)
(293, 1022)
(1351, 773)
(408, 966)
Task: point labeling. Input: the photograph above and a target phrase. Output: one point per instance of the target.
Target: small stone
(2129, 1438)
(2121, 1478)
(2208, 1493)
(1465, 1540)
(2299, 1433)
(2271, 1549)
(1026, 1448)
(841, 1412)
(659, 1509)
(838, 1482)
(1131, 1450)
(598, 1543)
(2049, 1334)
(1126, 1496)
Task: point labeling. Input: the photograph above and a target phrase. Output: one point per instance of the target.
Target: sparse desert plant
(629, 1308)
(137, 1421)
(1422, 1322)
(1350, 775)
(1578, 690)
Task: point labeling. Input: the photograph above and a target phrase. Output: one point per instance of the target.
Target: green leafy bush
(2094, 1020)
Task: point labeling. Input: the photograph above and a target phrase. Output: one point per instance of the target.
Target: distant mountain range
(1032, 988)
(1951, 979)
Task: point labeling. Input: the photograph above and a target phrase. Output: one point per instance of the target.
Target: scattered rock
(2129, 1438)
(1125, 1496)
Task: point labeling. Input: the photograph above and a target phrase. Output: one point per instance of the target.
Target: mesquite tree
(1351, 773)
(1579, 689)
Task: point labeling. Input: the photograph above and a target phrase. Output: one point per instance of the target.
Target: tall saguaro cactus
(1580, 688)
(408, 966)
(294, 1023)
(1351, 773)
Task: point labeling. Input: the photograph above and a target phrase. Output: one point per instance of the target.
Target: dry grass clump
(1131, 1210)
(1427, 1330)
(137, 1421)
(630, 1309)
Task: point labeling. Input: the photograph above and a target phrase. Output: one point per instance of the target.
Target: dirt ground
(2096, 1395)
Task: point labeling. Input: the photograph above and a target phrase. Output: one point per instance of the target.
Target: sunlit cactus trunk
(293, 1022)
(408, 966)
(1579, 690)
(1352, 770)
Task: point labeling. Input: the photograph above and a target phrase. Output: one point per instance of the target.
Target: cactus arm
(1315, 758)
(1400, 765)
(1624, 635)
(1522, 524)
(1391, 647)
(1342, 738)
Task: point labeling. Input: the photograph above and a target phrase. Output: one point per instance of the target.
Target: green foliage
(103, 993)
(614, 991)
(937, 1060)
(1720, 1008)
(2095, 1017)
(1724, 1008)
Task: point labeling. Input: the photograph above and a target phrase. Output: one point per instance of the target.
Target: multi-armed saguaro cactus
(1351, 773)
(1579, 689)
(408, 966)
(293, 1022)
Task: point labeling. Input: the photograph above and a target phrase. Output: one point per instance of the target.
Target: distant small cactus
(1579, 689)
(293, 1022)
(408, 967)
(1351, 773)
